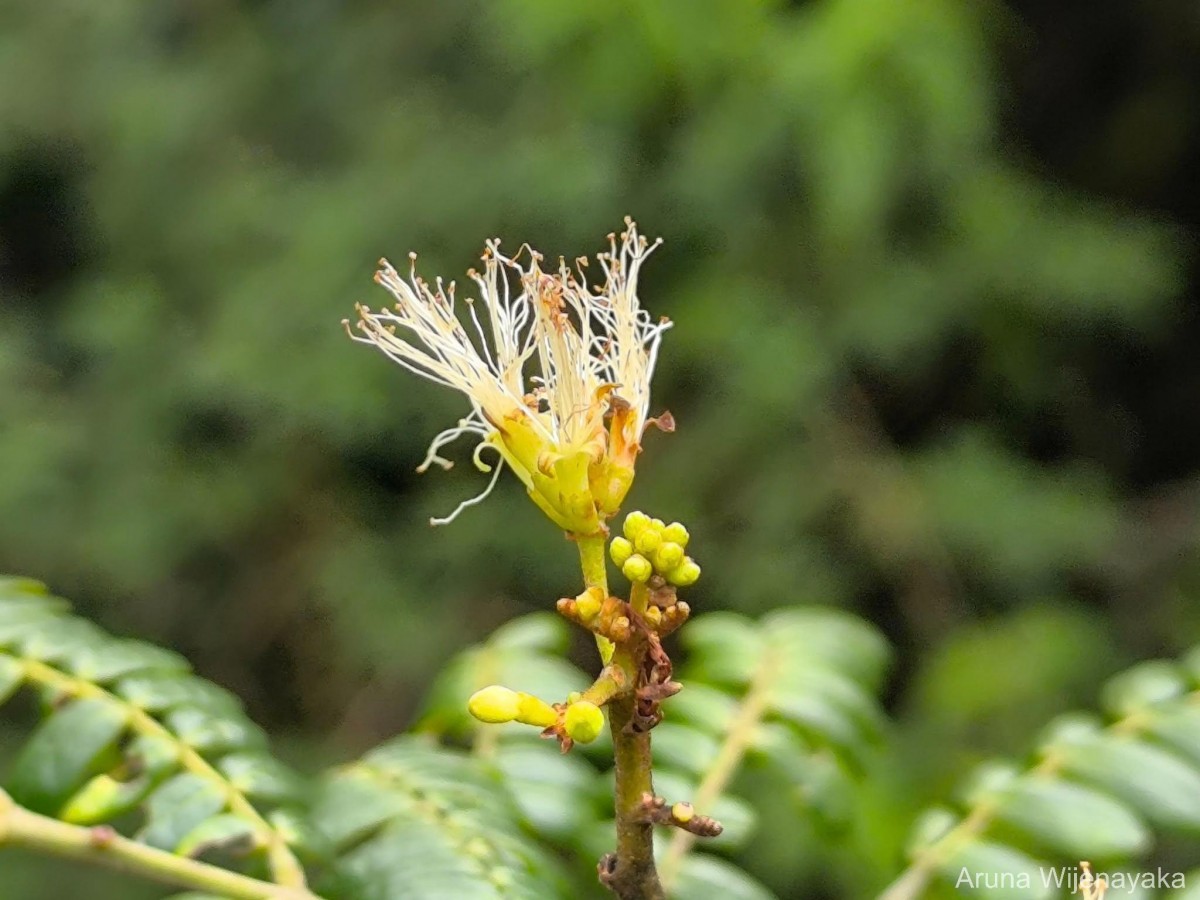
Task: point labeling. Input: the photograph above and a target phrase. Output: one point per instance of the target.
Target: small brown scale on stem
(680, 815)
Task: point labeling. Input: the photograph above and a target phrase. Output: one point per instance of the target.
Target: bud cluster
(651, 547)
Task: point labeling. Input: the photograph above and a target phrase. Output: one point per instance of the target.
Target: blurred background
(935, 358)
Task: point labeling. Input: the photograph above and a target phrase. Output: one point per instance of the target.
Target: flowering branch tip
(557, 371)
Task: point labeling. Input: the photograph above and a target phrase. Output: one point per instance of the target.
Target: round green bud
(685, 574)
(648, 541)
(676, 533)
(494, 704)
(583, 721)
(635, 524)
(667, 556)
(620, 550)
(657, 525)
(637, 568)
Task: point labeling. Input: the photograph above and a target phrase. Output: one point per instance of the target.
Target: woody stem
(634, 876)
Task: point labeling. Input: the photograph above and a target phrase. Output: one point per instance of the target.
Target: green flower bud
(583, 721)
(620, 550)
(685, 574)
(668, 556)
(657, 525)
(637, 568)
(676, 533)
(648, 541)
(635, 524)
(532, 711)
(494, 704)
(588, 604)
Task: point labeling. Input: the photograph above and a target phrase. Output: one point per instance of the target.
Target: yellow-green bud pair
(496, 704)
(583, 721)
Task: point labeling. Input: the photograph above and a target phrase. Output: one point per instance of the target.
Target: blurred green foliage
(915, 375)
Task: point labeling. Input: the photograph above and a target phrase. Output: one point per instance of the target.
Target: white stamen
(582, 338)
(479, 498)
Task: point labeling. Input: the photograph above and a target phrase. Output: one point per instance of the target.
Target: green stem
(285, 869)
(639, 597)
(595, 574)
(635, 876)
(610, 683)
(591, 561)
(21, 828)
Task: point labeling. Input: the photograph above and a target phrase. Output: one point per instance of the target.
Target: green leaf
(178, 807)
(929, 828)
(557, 793)
(1094, 788)
(20, 589)
(1179, 730)
(12, 676)
(543, 632)
(414, 821)
(727, 647)
(1145, 685)
(293, 825)
(996, 872)
(103, 799)
(225, 832)
(161, 692)
(1072, 820)
(112, 660)
(63, 752)
(354, 806)
(831, 637)
(214, 734)
(1154, 782)
(127, 724)
(704, 875)
(262, 778)
(59, 639)
(703, 706)
(684, 748)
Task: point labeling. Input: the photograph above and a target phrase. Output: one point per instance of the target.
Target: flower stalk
(630, 873)
(557, 373)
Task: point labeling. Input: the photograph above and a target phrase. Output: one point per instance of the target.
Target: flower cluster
(557, 372)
